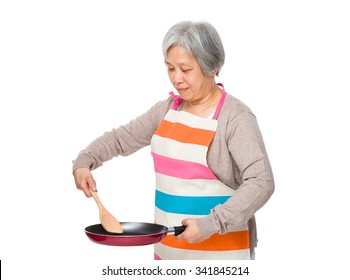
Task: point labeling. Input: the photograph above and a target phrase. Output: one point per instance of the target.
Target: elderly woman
(212, 169)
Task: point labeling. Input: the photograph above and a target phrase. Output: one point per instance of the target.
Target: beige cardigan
(237, 156)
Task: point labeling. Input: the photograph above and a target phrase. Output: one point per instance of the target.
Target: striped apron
(187, 188)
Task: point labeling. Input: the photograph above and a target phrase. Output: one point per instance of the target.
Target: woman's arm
(247, 150)
(124, 140)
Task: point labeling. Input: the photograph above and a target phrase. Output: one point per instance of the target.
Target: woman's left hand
(192, 233)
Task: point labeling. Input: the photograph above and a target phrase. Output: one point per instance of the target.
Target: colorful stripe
(162, 252)
(177, 150)
(190, 120)
(216, 242)
(178, 186)
(173, 219)
(181, 169)
(185, 134)
(195, 205)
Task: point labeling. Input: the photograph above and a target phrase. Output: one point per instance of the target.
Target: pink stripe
(156, 257)
(181, 168)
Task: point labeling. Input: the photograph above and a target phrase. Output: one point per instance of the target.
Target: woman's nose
(177, 77)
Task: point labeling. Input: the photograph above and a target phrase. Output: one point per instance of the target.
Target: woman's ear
(214, 73)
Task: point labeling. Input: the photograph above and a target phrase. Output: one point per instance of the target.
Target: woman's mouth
(181, 90)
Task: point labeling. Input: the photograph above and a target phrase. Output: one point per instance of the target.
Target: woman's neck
(205, 106)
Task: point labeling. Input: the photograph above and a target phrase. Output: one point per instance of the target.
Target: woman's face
(186, 75)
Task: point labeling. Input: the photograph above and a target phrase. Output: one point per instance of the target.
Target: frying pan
(134, 234)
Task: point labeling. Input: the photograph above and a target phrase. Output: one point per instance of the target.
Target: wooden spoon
(108, 221)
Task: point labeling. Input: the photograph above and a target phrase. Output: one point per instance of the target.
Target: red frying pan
(134, 234)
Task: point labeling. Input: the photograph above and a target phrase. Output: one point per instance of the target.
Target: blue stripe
(192, 205)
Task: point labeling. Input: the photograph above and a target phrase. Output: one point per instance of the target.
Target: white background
(71, 70)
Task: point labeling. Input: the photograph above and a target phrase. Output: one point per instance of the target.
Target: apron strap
(177, 100)
(221, 102)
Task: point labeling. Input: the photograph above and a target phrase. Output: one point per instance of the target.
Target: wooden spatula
(108, 221)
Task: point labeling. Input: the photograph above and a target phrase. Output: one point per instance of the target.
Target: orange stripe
(184, 133)
(238, 240)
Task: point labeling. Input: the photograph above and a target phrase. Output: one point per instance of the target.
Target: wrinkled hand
(192, 233)
(84, 181)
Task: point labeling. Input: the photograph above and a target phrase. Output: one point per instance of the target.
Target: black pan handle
(176, 230)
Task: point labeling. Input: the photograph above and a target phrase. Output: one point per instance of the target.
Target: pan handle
(176, 230)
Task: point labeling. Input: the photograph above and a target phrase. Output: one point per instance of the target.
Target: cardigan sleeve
(247, 150)
(124, 140)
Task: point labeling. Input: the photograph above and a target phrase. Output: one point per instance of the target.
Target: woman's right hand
(84, 181)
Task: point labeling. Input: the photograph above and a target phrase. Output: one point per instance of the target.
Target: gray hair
(200, 40)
